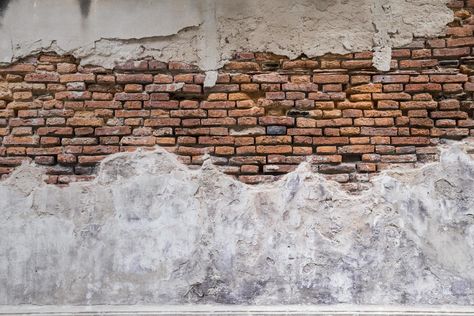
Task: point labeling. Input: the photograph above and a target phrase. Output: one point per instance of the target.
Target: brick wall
(265, 115)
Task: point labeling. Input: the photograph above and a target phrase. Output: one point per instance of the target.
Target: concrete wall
(209, 32)
(150, 230)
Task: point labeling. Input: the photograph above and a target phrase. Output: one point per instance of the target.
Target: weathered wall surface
(148, 230)
(208, 32)
(273, 91)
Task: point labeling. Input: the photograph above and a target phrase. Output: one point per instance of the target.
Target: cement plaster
(149, 230)
(208, 32)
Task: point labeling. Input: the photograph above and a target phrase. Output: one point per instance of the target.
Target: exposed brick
(275, 149)
(456, 42)
(413, 105)
(276, 120)
(356, 64)
(242, 66)
(85, 121)
(257, 121)
(20, 140)
(330, 78)
(138, 141)
(42, 77)
(113, 130)
(451, 52)
(410, 140)
(423, 63)
(448, 78)
(270, 78)
(77, 77)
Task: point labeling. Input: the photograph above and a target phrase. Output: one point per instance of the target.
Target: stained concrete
(236, 310)
(149, 230)
(208, 32)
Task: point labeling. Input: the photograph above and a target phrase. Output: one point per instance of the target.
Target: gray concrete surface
(208, 32)
(237, 310)
(151, 231)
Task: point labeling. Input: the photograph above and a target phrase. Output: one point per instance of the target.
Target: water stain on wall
(85, 6)
(3, 8)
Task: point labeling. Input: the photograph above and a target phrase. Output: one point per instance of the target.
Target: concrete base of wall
(346, 310)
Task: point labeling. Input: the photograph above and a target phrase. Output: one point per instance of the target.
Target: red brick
(330, 140)
(156, 122)
(449, 114)
(413, 105)
(423, 63)
(18, 68)
(138, 141)
(277, 149)
(379, 131)
(270, 78)
(448, 78)
(421, 53)
(398, 158)
(391, 96)
(410, 140)
(77, 77)
(449, 104)
(216, 140)
(276, 120)
(355, 105)
(255, 111)
(217, 105)
(56, 131)
(90, 160)
(330, 78)
(85, 121)
(131, 96)
(356, 64)
(356, 149)
(388, 113)
(242, 66)
(113, 130)
(421, 122)
(218, 121)
(451, 52)
(21, 140)
(42, 77)
(330, 159)
(188, 113)
(103, 104)
(456, 42)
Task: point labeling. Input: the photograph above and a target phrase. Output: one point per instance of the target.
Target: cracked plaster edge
(29, 176)
(208, 55)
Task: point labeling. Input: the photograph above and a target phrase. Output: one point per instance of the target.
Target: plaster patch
(208, 33)
(149, 230)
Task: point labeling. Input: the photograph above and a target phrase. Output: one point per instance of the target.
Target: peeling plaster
(149, 230)
(208, 33)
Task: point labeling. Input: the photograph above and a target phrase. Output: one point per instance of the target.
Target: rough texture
(263, 90)
(208, 32)
(264, 116)
(149, 230)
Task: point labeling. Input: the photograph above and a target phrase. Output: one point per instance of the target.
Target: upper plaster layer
(149, 230)
(208, 32)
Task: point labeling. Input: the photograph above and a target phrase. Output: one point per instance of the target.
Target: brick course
(255, 123)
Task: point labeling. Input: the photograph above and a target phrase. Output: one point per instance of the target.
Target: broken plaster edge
(33, 174)
(206, 51)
